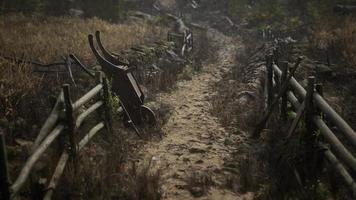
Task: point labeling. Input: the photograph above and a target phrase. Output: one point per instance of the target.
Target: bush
(106, 9)
(25, 6)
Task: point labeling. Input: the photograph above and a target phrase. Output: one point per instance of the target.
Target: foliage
(282, 14)
(25, 6)
(106, 9)
(337, 37)
(111, 10)
(55, 7)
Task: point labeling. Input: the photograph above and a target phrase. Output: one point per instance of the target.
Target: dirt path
(192, 154)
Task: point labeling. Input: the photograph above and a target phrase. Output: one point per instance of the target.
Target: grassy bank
(47, 40)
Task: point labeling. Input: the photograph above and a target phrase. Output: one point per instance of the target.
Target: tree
(55, 7)
(106, 9)
(25, 6)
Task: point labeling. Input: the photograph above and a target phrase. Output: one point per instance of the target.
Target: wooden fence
(183, 42)
(63, 124)
(323, 124)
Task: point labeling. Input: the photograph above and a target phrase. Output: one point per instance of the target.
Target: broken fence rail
(60, 122)
(319, 117)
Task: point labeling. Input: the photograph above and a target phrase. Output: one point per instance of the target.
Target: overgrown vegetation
(20, 37)
(105, 9)
(328, 31)
(27, 95)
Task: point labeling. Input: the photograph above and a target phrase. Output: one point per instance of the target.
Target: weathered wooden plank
(320, 103)
(34, 158)
(341, 170)
(4, 174)
(87, 97)
(335, 143)
(293, 100)
(64, 159)
(57, 175)
(50, 123)
(335, 118)
(86, 113)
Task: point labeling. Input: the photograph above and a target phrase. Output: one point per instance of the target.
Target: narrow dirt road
(192, 154)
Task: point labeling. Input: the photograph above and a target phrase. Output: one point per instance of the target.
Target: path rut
(194, 144)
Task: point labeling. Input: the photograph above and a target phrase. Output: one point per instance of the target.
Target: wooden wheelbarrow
(124, 85)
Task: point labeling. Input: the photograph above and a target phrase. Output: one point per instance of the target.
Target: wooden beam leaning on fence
(283, 89)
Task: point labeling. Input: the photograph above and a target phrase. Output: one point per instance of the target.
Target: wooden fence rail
(60, 122)
(319, 116)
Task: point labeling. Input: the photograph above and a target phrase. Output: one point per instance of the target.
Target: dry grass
(103, 170)
(24, 96)
(16, 82)
(339, 37)
(48, 39)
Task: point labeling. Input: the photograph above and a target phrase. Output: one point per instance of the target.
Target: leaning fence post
(4, 174)
(269, 80)
(284, 103)
(69, 119)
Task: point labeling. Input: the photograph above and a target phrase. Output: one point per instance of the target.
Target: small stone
(199, 162)
(186, 160)
(196, 150)
(197, 191)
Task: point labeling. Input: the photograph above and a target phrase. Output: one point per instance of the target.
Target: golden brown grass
(16, 82)
(48, 39)
(339, 36)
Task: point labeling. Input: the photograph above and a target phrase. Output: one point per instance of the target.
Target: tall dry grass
(338, 37)
(48, 39)
(24, 95)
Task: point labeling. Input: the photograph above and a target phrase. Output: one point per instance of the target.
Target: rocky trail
(192, 153)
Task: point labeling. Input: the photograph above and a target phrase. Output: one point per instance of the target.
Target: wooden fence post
(4, 174)
(319, 90)
(284, 102)
(310, 154)
(269, 80)
(69, 119)
(106, 96)
(309, 107)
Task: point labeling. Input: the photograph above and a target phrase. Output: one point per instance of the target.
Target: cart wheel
(148, 116)
(126, 120)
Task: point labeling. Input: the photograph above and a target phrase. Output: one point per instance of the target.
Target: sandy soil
(194, 147)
